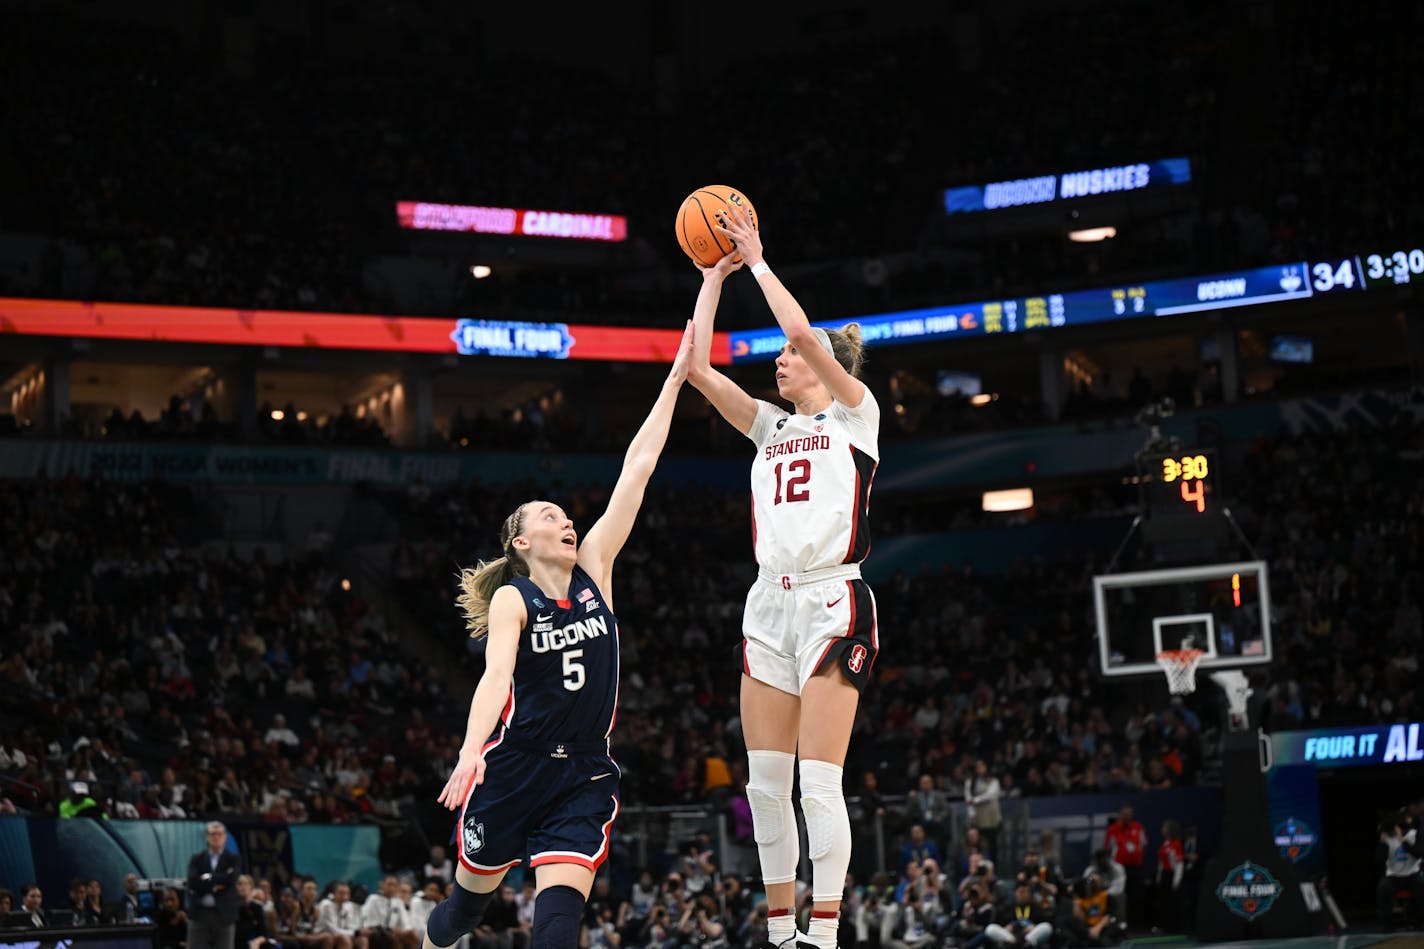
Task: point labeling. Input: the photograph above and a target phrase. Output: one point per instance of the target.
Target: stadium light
(1013, 499)
(1088, 235)
(480, 271)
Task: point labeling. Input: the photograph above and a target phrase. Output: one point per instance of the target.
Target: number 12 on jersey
(798, 472)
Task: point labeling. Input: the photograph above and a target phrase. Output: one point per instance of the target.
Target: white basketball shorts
(796, 624)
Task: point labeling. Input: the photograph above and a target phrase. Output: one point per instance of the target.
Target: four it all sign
(1249, 890)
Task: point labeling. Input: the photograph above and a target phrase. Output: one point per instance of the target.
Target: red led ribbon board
(575, 225)
(411, 334)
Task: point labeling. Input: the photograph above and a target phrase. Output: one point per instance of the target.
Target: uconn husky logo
(857, 658)
(473, 835)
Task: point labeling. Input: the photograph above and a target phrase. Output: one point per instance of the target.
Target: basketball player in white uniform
(809, 634)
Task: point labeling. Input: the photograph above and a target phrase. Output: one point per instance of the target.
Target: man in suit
(126, 908)
(212, 893)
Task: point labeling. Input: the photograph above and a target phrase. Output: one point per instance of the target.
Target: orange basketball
(699, 214)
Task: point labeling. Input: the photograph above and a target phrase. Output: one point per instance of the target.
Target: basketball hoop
(1181, 668)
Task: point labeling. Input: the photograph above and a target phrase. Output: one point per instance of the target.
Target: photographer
(1044, 881)
(699, 926)
(1097, 925)
(752, 929)
(602, 927)
(974, 917)
(936, 899)
(657, 928)
(1399, 852)
(736, 899)
(871, 909)
(699, 865)
(1024, 923)
(1113, 876)
(981, 874)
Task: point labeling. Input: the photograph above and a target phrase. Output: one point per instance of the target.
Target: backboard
(1223, 609)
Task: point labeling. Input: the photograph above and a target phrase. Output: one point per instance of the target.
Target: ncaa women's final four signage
(499, 338)
(1249, 890)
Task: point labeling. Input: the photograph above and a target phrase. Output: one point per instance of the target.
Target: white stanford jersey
(811, 485)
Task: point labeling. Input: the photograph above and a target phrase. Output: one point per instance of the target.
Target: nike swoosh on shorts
(835, 601)
(600, 777)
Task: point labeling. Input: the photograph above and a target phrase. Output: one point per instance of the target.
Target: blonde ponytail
(477, 586)
(478, 583)
(848, 347)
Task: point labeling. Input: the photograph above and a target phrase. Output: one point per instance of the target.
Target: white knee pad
(770, 775)
(827, 829)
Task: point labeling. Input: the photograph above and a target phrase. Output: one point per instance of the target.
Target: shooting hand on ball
(723, 267)
(735, 224)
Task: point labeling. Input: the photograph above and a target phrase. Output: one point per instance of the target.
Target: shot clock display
(1181, 484)
(1183, 516)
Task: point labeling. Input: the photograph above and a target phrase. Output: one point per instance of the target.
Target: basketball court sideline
(1403, 940)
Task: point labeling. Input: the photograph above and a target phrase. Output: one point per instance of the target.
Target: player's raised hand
(736, 225)
(683, 359)
(469, 771)
(726, 265)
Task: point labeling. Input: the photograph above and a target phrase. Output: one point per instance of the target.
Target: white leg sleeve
(827, 829)
(770, 775)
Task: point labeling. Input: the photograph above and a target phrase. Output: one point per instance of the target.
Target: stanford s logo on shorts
(857, 658)
(473, 834)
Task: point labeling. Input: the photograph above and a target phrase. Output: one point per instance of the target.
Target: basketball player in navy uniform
(809, 632)
(535, 775)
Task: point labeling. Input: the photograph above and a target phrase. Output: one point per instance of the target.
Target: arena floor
(1411, 940)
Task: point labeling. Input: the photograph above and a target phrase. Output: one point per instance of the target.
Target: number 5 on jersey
(798, 473)
(573, 671)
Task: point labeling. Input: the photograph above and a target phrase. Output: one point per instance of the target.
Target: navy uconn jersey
(566, 675)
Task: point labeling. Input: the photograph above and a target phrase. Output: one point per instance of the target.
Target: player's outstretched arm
(844, 387)
(607, 536)
(507, 617)
(734, 405)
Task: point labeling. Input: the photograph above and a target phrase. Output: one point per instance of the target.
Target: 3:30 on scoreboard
(1182, 483)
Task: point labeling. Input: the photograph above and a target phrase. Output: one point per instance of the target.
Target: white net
(1181, 668)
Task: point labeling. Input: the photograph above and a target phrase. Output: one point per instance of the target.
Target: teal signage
(1249, 890)
(1350, 747)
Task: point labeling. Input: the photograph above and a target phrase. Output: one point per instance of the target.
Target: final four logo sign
(1249, 890)
(1294, 839)
(500, 338)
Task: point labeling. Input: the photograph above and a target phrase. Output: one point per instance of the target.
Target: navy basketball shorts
(794, 625)
(549, 802)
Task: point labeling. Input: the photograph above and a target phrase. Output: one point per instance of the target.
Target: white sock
(823, 929)
(780, 929)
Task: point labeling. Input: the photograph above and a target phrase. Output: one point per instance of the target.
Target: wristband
(759, 268)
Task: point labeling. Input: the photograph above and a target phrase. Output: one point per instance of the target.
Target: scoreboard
(1302, 280)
